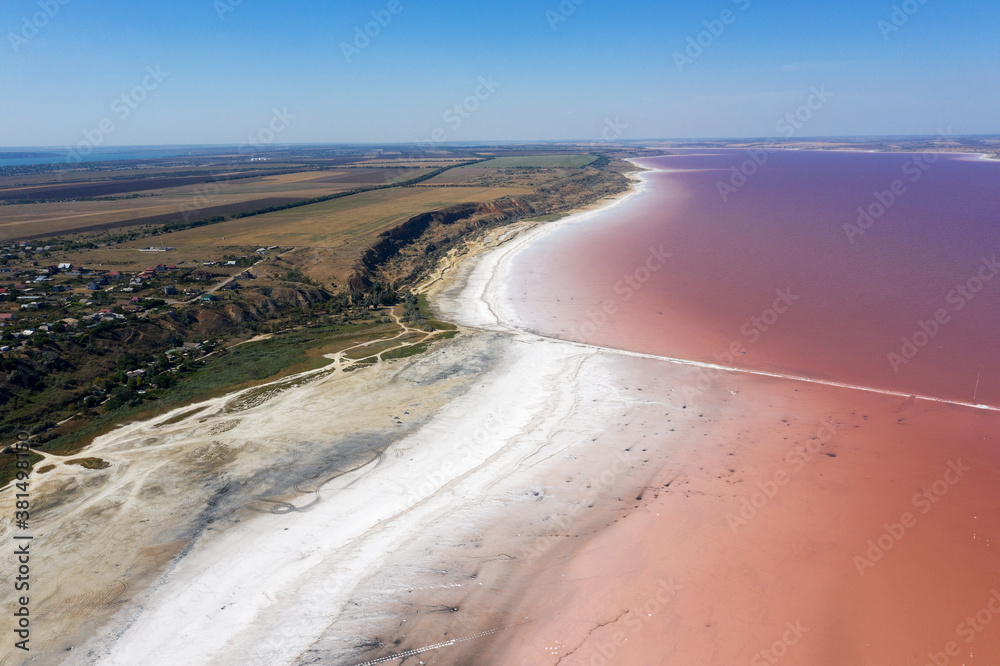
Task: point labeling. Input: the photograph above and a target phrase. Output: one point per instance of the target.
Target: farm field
(201, 199)
(539, 161)
(350, 223)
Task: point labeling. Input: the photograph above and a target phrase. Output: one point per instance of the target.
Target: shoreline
(481, 532)
(148, 604)
(493, 311)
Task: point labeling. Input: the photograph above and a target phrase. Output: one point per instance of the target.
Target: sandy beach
(513, 499)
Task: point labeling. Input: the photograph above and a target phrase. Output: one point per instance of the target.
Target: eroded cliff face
(405, 252)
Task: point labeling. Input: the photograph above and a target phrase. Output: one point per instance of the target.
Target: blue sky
(227, 66)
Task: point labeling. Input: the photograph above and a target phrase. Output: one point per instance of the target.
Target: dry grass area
(350, 223)
(328, 237)
(435, 163)
(482, 176)
(60, 217)
(20, 220)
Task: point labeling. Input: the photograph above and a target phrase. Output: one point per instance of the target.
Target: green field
(539, 162)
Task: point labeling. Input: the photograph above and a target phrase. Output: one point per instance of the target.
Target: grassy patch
(180, 417)
(548, 218)
(90, 463)
(8, 467)
(240, 367)
(372, 349)
(539, 162)
(406, 352)
(424, 308)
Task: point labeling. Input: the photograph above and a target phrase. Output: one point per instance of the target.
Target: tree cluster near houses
(35, 292)
(84, 355)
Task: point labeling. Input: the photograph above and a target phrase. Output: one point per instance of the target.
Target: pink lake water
(785, 268)
(772, 277)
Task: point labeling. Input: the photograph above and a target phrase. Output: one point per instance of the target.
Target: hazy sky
(552, 70)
